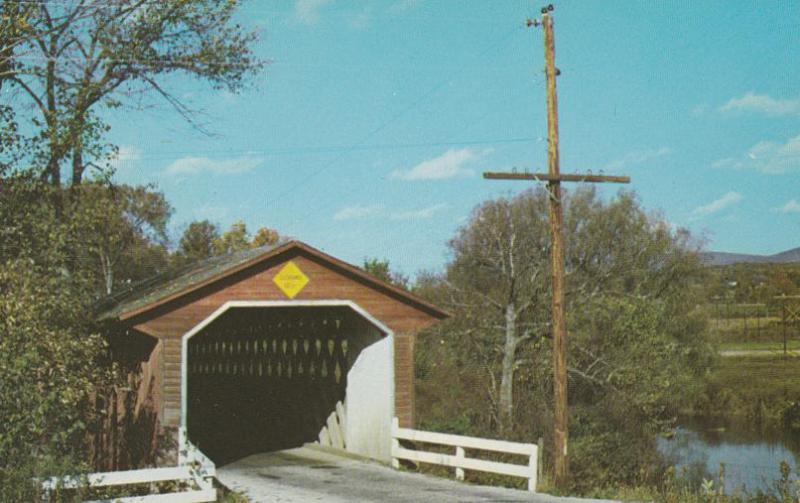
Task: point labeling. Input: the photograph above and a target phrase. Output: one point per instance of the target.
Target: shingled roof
(164, 287)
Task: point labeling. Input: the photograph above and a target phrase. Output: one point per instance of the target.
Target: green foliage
(197, 241)
(637, 346)
(383, 271)
(50, 364)
(752, 283)
(233, 240)
(51, 360)
(116, 226)
(676, 486)
(755, 388)
(265, 237)
(202, 239)
(69, 60)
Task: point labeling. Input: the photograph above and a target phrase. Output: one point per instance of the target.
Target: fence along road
(311, 473)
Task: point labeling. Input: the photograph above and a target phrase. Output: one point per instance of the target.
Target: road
(309, 474)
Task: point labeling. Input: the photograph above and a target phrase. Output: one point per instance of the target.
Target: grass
(767, 378)
(792, 345)
(748, 372)
(738, 324)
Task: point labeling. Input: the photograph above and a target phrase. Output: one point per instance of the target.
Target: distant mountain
(724, 258)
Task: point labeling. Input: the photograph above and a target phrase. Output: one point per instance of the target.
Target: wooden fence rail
(459, 460)
(193, 468)
(204, 493)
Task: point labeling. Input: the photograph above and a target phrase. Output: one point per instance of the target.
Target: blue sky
(367, 133)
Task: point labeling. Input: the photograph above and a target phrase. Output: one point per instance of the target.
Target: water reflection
(751, 455)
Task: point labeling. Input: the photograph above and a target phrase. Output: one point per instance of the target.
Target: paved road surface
(309, 474)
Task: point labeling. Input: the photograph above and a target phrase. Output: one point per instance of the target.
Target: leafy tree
(50, 361)
(197, 241)
(71, 59)
(202, 240)
(382, 270)
(636, 337)
(118, 221)
(233, 240)
(51, 365)
(497, 284)
(14, 23)
(265, 237)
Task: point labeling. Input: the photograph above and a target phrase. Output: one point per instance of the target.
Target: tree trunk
(108, 272)
(53, 168)
(77, 164)
(506, 398)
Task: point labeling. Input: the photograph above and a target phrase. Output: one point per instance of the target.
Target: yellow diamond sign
(290, 279)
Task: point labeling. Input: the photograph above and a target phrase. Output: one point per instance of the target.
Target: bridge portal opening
(267, 378)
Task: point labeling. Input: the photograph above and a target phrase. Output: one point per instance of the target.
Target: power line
(401, 16)
(331, 148)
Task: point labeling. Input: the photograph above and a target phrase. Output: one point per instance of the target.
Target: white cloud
(791, 206)
(422, 214)
(308, 11)
(638, 157)
(764, 104)
(717, 205)
(125, 154)
(199, 165)
(357, 211)
(768, 157)
(451, 164)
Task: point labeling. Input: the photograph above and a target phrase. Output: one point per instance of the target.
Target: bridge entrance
(268, 378)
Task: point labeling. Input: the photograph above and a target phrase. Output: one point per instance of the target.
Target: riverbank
(758, 388)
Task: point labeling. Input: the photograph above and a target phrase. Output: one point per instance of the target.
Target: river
(751, 455)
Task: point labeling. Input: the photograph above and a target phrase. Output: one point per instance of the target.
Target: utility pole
(554, 178)
(790, 313)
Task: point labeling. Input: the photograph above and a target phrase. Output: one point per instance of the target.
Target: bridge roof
(159, 290)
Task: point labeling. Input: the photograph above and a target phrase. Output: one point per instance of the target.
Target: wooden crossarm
(568, 177)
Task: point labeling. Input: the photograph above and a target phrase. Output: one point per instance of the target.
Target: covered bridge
(253, 351)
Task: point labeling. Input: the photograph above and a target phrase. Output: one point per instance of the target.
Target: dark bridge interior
(267, 378)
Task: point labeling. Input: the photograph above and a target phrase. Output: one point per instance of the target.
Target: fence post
(460, 471)
(534, 466)
(395, 443)
(539, 460)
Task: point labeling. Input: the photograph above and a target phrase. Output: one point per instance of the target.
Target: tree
(265, 237)
(382, 270)
(496, 273)
(50, 365)
(197, 241)
(636, 340)
(202, 240)
(233, 240)
(51, 359)
(71, 59)
(115, 221)
(14, 24)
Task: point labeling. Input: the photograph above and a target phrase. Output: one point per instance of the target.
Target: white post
(460, 471)
(533, 461)
(395, 443)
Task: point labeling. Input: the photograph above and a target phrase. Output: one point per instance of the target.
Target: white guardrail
(193, 467)
(459, 461)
